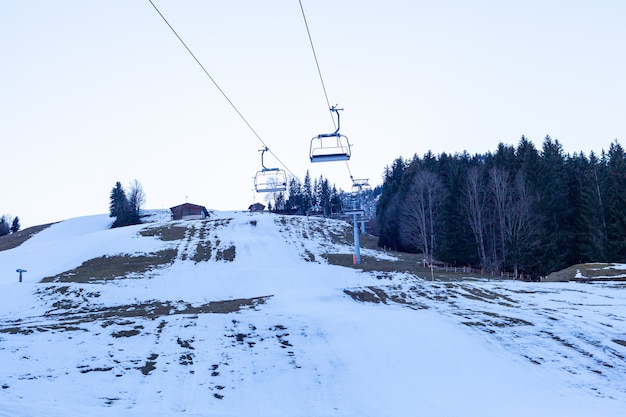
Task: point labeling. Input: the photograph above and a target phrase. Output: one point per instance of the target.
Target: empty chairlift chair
(328, 147)
(269, 180)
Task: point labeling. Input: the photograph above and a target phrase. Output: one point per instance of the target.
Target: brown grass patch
(165, 233)
(405, 263)
(125, 333)
(111, 315)
(112, 267)
(227, 254)
(363, 296)
(148, 367)
(14, 240)
(589, 272)
(203, 252)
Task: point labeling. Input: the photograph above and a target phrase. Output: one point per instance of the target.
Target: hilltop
(244, 314)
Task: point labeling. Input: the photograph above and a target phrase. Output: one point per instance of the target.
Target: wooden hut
(256, 207)
(189, 211)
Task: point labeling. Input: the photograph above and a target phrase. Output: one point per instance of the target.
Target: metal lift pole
(357, 242)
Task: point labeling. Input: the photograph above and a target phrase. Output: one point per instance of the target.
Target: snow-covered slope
(239, 315)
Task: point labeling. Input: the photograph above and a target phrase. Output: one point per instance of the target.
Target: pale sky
(96, 92)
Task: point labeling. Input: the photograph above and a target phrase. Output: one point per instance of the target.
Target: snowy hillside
(240, 315)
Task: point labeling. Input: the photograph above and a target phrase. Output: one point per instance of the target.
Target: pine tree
(528, 250)
(125, 211)
(324, 196)
(294, 201)
(15, 225)
(4, 226)
(335, 201)
(557, 214)
(590, 226)
(616, 203)
(388, 208)
(307, 194)
(118, 201)
(279, 202)
(455, 243)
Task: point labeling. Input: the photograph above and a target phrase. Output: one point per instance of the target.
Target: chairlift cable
(218, 87)
(349, 172)
(319, 71)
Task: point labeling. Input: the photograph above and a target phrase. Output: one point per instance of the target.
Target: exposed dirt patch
(203, 252)
(505, 321)
(112, 267)
(480, 294)
(620, 342)
(166, 233)
(69, 297)
(125, 333)
(227, 254)
(588, 272)
(150, 364)
(100, 369)
(200, 242)
(405, 262)
(309, 256)
(71, 320)
(363, 296)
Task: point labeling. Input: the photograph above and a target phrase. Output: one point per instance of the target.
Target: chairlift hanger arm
(336, 110)
(336, 132)
(265, 148)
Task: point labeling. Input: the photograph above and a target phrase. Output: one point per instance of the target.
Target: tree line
(517, 209)
(9, 225)
(310, 196)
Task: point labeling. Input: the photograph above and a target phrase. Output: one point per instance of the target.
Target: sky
(468, 348)
(92, 93)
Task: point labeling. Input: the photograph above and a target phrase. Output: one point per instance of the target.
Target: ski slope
(247, 319)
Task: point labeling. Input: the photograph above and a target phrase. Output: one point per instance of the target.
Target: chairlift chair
(360, 184)
(328, 147)
(269, 180)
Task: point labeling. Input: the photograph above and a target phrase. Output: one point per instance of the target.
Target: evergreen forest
(519, 209)
(316, 196)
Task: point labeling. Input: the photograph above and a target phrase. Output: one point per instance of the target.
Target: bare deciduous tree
(502, 200)
(521, 229)
(136, 197)
(474, 208)
(420, 211)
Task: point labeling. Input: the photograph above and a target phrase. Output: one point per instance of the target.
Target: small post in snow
(20, 270)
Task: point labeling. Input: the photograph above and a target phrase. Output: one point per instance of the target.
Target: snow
(304, 346)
